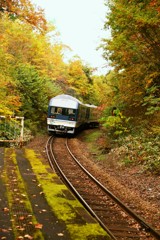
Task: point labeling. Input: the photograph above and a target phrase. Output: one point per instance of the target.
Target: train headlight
(50, 121)
(71, 119)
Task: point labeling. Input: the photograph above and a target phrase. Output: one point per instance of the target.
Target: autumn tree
(28, 65)
(31, 47)
(133, 50)
(78, 80)
(9, 100)
(24, 10)
(35, 92)
(101, 91)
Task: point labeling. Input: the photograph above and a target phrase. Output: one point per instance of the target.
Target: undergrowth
(95, 148)
(141, 147)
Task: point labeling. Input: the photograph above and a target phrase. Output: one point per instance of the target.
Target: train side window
(52, 110)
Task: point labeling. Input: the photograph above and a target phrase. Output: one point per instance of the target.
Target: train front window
(56, 110)
(63, 113)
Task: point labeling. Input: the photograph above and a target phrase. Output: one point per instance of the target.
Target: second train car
(66, 114)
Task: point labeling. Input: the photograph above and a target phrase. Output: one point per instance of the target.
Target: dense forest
(32, 70)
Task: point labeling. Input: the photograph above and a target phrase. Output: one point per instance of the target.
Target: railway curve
(114, 216)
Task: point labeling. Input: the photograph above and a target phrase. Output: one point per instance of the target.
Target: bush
(117, 123)
(9, 129)
(143, 148)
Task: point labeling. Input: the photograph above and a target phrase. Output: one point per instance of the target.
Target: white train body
(66, 114)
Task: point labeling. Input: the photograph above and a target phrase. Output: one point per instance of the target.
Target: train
(66, 114)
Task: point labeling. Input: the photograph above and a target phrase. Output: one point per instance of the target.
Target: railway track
(113, 215)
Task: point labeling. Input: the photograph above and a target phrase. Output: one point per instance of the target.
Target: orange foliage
(26, 11)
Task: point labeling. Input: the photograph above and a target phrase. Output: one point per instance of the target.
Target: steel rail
(52, 156)
(140, 220)
(49, 144)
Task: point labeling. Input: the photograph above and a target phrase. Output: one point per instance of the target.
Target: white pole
(22, 129)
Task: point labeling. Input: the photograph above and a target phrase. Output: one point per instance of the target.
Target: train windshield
(63, 113)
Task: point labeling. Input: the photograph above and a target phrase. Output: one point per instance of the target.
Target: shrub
(117, 123)
(143, 148)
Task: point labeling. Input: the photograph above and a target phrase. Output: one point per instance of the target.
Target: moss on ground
(65, 209)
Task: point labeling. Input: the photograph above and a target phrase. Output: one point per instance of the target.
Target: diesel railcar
(66, 114)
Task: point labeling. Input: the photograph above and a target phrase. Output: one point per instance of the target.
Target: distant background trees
(32, 66)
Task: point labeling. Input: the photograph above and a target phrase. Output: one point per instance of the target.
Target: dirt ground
(131, 184)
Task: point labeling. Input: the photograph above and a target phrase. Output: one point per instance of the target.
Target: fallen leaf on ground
(3, 230)
(20, 237)
(38, 226)
(6, 209)
(28, 236)
(60, 234)
(44, 210)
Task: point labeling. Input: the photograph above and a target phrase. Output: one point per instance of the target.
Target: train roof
(91, 105)
(65, 101)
